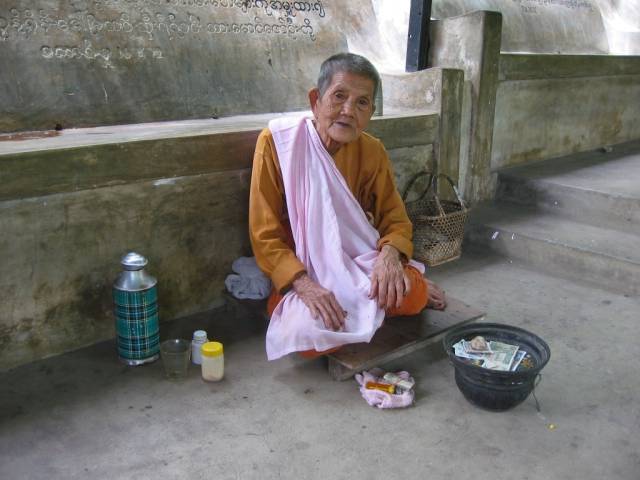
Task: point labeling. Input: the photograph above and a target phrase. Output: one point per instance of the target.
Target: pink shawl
(334, 241)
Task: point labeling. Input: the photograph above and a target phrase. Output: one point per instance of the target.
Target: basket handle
(434, 193)
(454, 188)
(412, 180)
(431, 187)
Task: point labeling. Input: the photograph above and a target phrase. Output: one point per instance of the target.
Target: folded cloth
(380, 399)
(334, 241)
(248, 281)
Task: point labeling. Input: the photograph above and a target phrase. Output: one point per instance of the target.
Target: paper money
(516, 361)
(498, 361)
(470, 348)
(460, 352)
(503, 347)
(502, 356)
(499, 356)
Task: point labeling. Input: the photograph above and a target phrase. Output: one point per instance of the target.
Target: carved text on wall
(120, 30)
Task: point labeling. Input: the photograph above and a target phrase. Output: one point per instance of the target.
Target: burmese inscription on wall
(91, 24)
(538, 6)
(159, 59)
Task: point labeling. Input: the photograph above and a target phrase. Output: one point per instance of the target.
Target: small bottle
(212, 362)
(199, 339)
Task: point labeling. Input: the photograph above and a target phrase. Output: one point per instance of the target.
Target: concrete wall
(558, 26)
(520, 108)
(548, 106)
(104, 62)
(544, 105)
(551, 26)
(437, 90)
(71, 205)
(533, 26)
(471, 43)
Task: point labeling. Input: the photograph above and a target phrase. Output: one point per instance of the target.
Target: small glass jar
(212, 362)
(199, 339)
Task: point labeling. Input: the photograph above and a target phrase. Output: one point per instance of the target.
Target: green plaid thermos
(136, 310)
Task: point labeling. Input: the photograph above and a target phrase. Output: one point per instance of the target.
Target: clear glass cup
(175, 355)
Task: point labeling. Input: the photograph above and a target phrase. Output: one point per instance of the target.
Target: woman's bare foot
(437, 299)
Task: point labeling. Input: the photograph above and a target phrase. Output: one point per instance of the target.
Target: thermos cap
(134, 278)
(133, 261)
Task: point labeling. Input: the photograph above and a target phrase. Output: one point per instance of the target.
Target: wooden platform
(399, 337)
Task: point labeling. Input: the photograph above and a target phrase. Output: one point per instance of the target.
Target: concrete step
(596, 187)
(601, 256)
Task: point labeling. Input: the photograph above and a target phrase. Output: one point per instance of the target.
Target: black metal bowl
(491, 389)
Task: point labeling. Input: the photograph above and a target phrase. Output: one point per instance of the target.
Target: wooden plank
(399, 337)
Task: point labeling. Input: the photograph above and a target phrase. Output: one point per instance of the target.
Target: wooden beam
(418, 37)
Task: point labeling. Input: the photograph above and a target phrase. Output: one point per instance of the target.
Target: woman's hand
(321, 302)
(389, 284)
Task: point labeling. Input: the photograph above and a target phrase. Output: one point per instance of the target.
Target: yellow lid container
(211, 349)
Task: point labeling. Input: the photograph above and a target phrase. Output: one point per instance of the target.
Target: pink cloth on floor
(334, 241)
(380, 399)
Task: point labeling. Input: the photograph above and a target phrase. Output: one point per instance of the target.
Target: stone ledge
(88, 158)
(30, 142)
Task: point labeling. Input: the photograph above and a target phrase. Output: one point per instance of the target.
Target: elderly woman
(327, 224)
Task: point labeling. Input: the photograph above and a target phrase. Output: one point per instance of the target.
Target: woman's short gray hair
(351, 63)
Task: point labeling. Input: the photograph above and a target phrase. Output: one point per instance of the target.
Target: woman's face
(344, 111)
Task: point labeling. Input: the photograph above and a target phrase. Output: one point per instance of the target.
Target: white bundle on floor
(380, 399)
(248, 281)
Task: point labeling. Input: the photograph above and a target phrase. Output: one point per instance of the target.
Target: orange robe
(366, 168)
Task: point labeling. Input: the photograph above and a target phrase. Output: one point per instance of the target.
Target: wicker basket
(438, 225)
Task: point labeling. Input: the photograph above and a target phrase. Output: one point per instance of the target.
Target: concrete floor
(83, 415)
